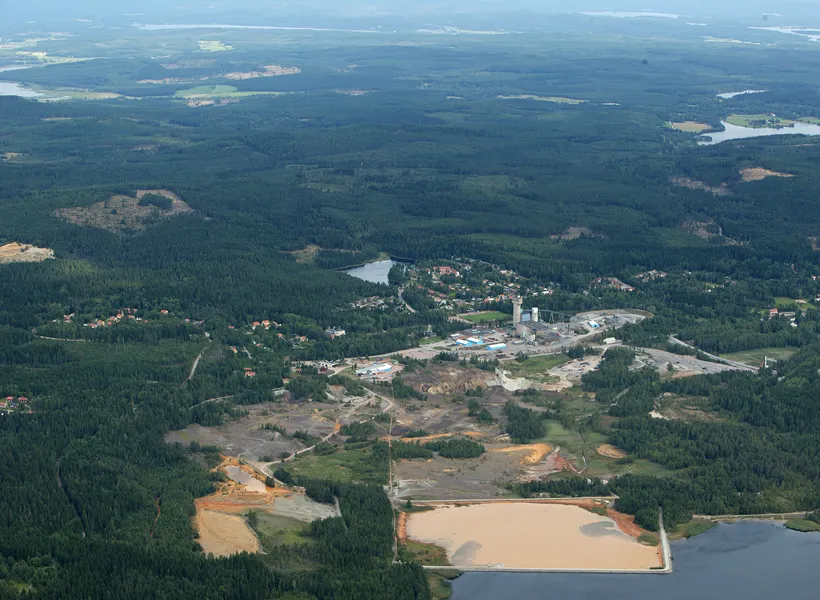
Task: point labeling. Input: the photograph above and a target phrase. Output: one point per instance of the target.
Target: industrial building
(530, 325)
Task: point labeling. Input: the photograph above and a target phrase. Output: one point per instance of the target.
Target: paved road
(738, 365)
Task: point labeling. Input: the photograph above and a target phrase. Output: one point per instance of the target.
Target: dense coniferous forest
(419, 151)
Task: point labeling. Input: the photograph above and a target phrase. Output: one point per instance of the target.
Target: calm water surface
(375, 272)
(739, 561)
(9, 88)
(734, 132)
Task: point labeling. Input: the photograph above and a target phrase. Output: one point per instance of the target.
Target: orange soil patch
(610, 451)
(758, 174)
(401, 526)
(19, 253)
(536, 452)
(124, 212)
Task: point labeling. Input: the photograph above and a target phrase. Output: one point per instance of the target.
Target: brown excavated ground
(759, 173)
(23, 253)
(219, 520)
(122, 213)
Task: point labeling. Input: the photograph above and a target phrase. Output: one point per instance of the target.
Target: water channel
(750, 560)
(735, 132)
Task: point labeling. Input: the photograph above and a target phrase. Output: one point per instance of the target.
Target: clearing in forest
(554, 99)
(690, 126)
(759, 173)
(222, 534)
(610, 451)
(269, 71)
(19, 253)
(122, 213)
(213, 46)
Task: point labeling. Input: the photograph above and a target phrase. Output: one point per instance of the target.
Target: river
(750, 560)
(375, 272)
(735, 132)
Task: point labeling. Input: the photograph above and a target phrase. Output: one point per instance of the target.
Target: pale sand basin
(522, 535)
(223, 535)
(20, 253)
(555, 99)
(759, 174)
(249, 481)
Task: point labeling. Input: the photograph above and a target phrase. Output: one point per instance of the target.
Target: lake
(375, 272)
(728, 95)
(750, 560)
(9, 88)
(735, 132)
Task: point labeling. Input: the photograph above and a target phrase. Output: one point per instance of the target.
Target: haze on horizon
(157, 11)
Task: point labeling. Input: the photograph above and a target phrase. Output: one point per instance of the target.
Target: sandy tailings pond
(521, 535)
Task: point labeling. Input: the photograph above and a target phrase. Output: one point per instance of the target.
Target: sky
(158, 11)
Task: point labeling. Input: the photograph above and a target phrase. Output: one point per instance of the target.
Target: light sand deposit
(555, 99)
(17, 253)
(758, 174)
(610, 451)
(221, 534)
(530, 536)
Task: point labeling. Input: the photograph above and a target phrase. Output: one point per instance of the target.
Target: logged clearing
(573, 233)
(222, 534)
(610, 451)
(690, 126)
(213, 46)
(555, 99)
(269, 71)
(122, 213)
(24, 253)
(759, 173)
(501, 535)
(694, 184)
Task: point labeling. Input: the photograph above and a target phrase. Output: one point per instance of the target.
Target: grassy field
(535, 368)
(690, 126)
(426, 554)
(790, 303)
(440, 584)
(485, 317)
(275, 530)
(755, 357)
(691, 529)
(213, 46)
(430, 340)
(344, 465)
(763, 120)
(803, 525)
